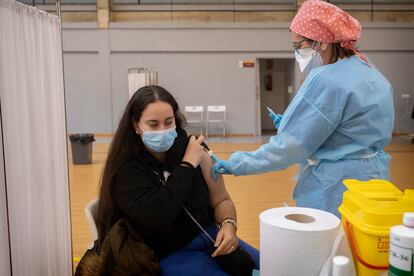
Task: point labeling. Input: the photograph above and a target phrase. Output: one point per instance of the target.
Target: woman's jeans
(195, 258)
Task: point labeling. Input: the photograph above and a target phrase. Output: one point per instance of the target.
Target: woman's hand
(226, 240)
(194, 151)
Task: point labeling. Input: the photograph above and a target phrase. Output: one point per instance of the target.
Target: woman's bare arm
(219, 197)
(226, 240)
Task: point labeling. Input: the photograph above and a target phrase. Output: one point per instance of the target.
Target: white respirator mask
(308, 58)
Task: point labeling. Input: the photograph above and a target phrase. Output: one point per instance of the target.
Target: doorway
(276, 87)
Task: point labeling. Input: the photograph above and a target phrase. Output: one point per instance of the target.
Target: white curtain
(34, 140)
(4, 228)
(140, 77)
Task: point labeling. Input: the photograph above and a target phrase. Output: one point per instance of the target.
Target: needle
(212, 155)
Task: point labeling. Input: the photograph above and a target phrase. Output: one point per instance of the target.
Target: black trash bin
(81, 148)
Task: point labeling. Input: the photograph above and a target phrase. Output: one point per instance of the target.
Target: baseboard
(233, 135)
(109, 135)
(402, 134)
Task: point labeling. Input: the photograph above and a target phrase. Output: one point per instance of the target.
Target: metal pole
(372, 10)
(58, 12)
(234, 11)
(171, 11)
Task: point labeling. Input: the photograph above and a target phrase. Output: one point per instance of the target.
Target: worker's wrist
(230, 221)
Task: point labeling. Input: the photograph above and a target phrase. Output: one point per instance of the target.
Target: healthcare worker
(339, 122)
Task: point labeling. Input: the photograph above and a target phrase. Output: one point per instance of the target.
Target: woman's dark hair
(126, 143)
(339, 52)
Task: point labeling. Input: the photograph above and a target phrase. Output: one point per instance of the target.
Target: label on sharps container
(383, 244)
(401, 261)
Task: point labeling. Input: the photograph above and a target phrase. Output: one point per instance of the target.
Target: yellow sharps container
(369, 209)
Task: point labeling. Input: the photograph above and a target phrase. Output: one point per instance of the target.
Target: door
(276, 89)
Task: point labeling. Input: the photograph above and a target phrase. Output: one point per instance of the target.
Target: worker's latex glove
(215, 159)
(235, 165)
(222, 167)
(276, 118)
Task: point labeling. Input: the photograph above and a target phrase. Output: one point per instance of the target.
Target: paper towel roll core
(295, 241)
(300, 218)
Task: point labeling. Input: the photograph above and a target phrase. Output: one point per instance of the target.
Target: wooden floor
(251, 194)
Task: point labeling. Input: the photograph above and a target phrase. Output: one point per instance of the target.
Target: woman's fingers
(194, 151)
(200, 139)
(232, 244)
(219, 239)
(225, 247)
(225, 243)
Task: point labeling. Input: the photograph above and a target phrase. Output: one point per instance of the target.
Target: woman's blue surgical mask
(159, 140)
(308, 58)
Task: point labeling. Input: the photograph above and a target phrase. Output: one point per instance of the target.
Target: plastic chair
(91, 213)
(216, 114)
(195, 116)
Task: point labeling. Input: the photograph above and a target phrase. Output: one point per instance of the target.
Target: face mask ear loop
(140, 127)
(142, 130)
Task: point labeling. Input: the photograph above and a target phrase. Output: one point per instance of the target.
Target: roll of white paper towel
(295, 241)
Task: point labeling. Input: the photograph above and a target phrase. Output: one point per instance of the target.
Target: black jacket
(122, 253)
(155, 206)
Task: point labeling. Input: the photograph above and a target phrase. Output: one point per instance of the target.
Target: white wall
(87, 80)
(199, 65)
(399, 69)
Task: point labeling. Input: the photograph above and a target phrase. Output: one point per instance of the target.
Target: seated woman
(154, 174)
